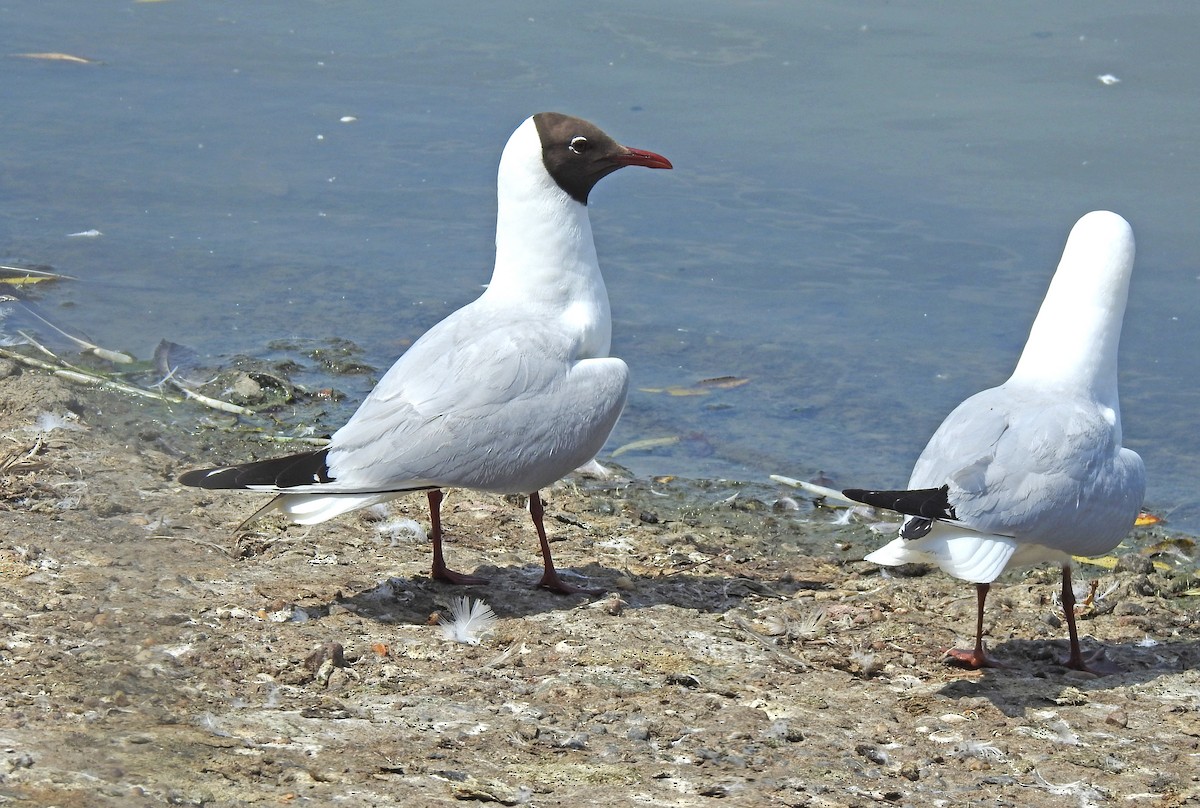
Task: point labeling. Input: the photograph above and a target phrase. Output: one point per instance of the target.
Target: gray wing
(1037, 466)
(481, 402)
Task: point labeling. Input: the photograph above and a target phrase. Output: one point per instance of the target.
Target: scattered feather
(786, 504)
(810, 625)
(85, 346)
(470, 620)
(47, 422)
(396, 530)
(593, 469)
(1108, 79)
(85, 234)
(56, 57)
(179, 364)
(505, 656)
(645, 444)
(979, 749)
(819, 491)
(1088, 795)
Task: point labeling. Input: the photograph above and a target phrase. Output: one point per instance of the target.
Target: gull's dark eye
(579, 144)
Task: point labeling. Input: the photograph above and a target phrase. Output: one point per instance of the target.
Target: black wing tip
(306, 468)
(194, 478)
(928, 503)
(224, 477)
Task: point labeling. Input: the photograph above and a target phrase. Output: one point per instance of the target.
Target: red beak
(640, 157)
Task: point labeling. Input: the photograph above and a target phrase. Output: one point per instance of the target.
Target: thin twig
(199, 542)
(103, 353)
(83, 377)
(791, 659)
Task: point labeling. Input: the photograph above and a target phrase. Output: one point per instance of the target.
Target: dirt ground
(745, 655)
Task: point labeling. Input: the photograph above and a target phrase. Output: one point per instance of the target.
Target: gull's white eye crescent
(579, 144)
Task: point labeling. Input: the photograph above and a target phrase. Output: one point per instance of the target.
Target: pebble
(577, 741)
(639, 733)
(1134, 563)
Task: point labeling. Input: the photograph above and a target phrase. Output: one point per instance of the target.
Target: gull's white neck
(545, 256)
(1073, 343)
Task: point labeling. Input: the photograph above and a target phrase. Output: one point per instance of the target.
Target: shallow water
(867, 205)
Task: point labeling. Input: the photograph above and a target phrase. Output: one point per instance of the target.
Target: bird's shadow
(513, 592)
(1034, 676)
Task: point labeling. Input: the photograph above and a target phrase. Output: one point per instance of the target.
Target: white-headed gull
(507, 394)
(1033, 470)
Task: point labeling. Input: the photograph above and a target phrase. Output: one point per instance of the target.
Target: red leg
(976, 658)
(550, 579)
(440, 571)
(1097, 663)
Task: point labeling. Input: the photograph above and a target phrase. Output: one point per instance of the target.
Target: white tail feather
(964, 553)
(312, 509)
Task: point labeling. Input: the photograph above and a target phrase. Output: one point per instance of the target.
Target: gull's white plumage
(1034, 470)
(549, 397)
(507, 394)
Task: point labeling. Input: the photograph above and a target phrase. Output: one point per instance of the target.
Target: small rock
(782, 730)
(24, 760)
(246, 389)
(872, 754)
(577, 741)
(1141, 585)
(746, 504)
(110, 507)
(683, 679)
(1117, 718)
(1134, 563)
(638, 733)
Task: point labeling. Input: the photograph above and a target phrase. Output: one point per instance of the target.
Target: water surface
(867, 206)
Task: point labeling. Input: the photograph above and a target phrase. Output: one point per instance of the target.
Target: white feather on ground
(470, 620)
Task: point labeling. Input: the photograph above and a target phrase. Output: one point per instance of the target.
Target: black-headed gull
(1033, 470)
(507, 394)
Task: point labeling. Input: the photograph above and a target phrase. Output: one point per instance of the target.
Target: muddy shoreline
(744, 654)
